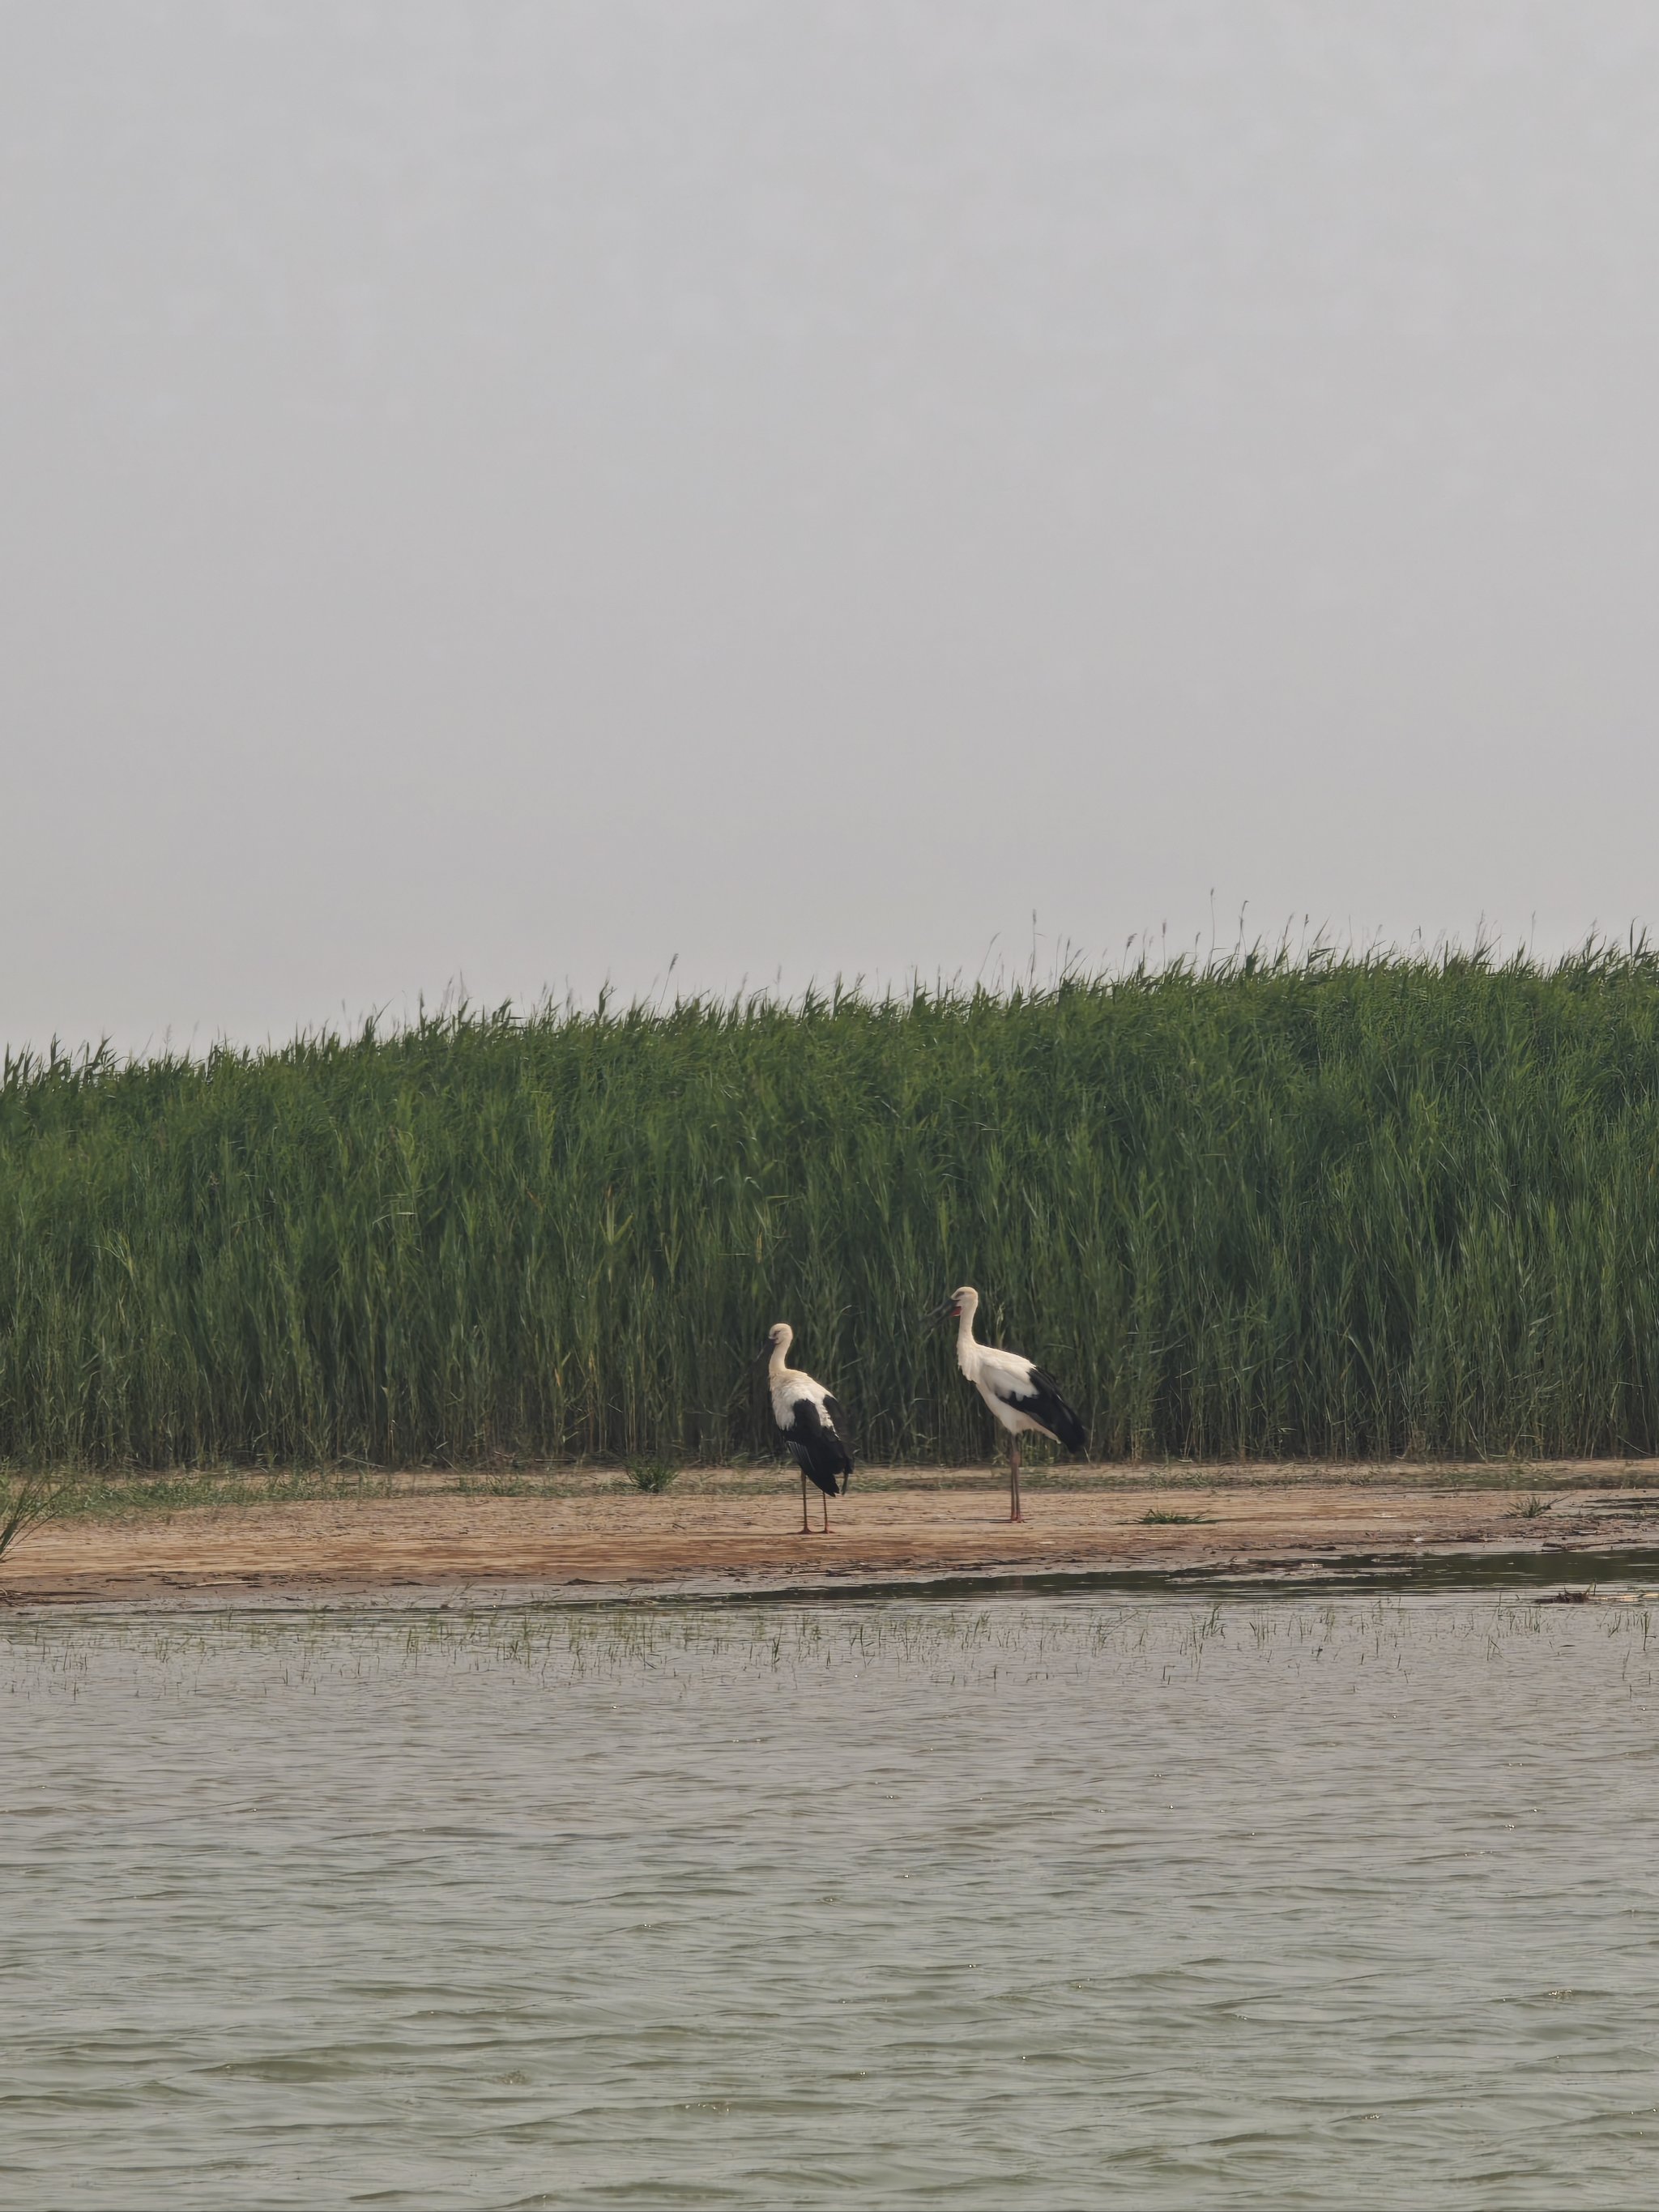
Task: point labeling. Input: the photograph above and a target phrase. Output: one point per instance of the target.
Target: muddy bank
(723, 1534)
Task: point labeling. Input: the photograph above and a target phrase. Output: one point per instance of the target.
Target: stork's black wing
(819, 1444)
(837, 1422)
(1040, 1399)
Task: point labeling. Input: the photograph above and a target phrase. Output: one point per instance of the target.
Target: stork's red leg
(1014, 1513)
(806, 1525)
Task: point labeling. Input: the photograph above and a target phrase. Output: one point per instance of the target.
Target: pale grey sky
(520, 490)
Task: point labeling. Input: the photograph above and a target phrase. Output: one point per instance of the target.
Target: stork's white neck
(967, 1349)
(778, 1365)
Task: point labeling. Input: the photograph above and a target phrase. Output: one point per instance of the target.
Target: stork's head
(779, 1338)
(960, 1302)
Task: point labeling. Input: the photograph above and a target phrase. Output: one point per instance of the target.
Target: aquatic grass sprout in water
(1334, 1208)
(1040, 1903)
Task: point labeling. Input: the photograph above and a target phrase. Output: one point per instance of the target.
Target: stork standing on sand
(1015, 1388)
(809, 1422)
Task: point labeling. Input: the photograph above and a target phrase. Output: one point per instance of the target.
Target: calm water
(1043, 1902)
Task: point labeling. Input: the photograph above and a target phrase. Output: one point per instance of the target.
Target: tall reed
(1333, 1208)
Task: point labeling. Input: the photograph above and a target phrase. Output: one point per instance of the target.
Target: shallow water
(1051, 1902)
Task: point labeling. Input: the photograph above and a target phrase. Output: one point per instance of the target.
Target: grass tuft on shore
(1359, 1208)
(654, 1476)
(28, 1498)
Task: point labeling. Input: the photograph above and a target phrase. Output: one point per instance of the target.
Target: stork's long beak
(938, 1313)
(761, 1355)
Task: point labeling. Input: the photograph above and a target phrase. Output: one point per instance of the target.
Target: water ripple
(1052, 1903)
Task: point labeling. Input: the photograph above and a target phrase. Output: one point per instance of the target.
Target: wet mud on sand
(730, 1534)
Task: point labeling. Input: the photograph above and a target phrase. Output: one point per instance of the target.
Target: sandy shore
(723, 1533)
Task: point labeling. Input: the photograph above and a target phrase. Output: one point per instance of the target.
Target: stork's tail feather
(1054, 1414)
(1070, 1431)
(824, 1463)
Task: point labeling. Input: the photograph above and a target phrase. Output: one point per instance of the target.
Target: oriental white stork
(809, 1422)
(1015, 1388)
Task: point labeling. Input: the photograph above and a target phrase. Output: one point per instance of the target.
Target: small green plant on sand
(651, 1474)
(25, 1500)
(1157, 1520)
(1530, 1508)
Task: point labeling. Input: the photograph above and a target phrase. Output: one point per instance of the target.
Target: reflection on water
(1058, 1902)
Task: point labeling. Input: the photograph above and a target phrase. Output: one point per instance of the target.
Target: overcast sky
(521, 492)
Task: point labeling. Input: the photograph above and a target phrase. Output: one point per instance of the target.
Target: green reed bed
(1329, 1208)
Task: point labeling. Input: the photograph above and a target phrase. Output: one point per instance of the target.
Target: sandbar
(723, 1532)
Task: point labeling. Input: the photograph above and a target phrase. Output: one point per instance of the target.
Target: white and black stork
(1015, 1388)
(809, 1422)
